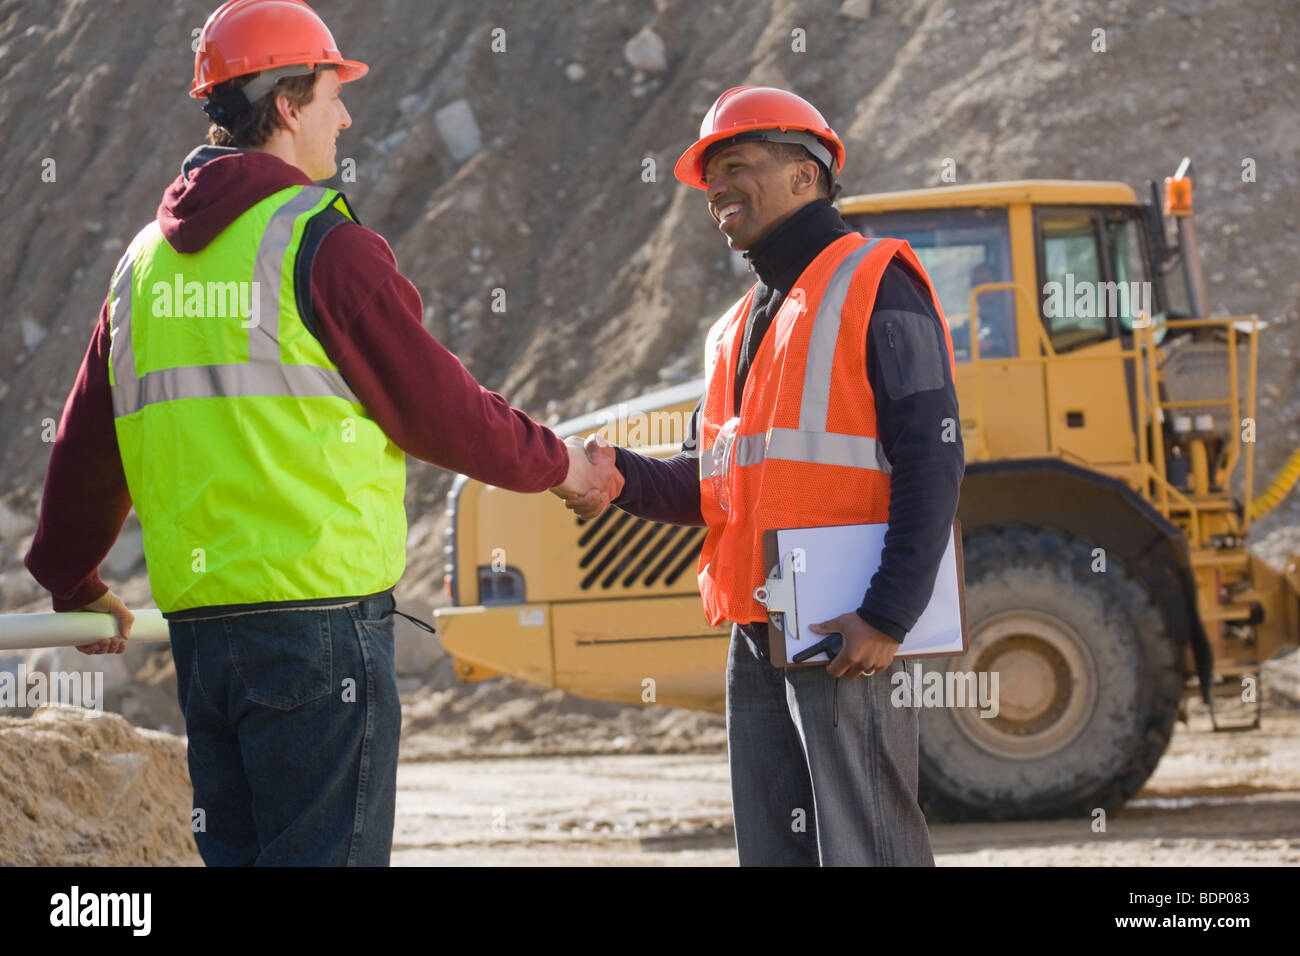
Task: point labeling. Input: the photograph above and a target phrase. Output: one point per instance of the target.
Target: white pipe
(20, 631)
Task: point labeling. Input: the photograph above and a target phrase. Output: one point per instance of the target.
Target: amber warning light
(1178, 192)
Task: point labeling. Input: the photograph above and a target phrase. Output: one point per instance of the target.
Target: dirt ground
(89, 789)
(1216, 799)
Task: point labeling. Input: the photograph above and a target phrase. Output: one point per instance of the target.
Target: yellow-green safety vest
(257, 474)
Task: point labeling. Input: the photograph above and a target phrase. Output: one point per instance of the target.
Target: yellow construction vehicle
(1109, 429)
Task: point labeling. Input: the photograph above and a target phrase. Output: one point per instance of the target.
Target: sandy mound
(82, 788)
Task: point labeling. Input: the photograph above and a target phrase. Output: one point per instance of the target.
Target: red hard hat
(250, 36)
(750, 109)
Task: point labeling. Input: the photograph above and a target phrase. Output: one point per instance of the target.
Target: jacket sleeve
(920, 430)
(370, 320)
(666, 489)
(85, 499)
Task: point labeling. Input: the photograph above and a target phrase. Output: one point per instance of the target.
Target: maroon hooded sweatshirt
(369, 320)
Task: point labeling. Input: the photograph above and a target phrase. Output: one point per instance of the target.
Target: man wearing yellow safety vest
(257, 374)
(830, 394)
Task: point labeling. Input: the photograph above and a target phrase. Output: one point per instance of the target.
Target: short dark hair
(254, 126)
(794, 153)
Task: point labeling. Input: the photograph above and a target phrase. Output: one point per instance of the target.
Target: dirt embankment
(82, 788)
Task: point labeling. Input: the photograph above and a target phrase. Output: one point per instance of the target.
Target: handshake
(593, 480)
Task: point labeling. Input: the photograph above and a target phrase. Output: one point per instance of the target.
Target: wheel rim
(1047, 685)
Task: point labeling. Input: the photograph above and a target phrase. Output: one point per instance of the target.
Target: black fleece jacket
(916, 415)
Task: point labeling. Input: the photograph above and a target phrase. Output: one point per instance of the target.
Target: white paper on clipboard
(827, 571)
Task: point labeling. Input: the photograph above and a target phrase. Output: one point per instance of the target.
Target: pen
(832, 644)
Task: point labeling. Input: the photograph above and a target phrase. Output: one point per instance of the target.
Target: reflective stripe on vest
(131, 393)
(797, 444)
(811, 442)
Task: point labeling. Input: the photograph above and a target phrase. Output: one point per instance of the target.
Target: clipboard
(810, 580)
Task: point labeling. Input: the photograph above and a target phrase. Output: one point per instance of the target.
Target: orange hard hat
(761, 113)
(253, 36)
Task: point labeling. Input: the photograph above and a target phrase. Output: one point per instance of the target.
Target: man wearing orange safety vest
(830, 395)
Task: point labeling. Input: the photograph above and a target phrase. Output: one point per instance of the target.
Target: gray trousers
(823, 771)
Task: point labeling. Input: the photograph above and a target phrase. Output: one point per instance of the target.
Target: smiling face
(751, 191)
(317, 127)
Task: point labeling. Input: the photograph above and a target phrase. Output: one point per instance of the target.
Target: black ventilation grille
(622, 551)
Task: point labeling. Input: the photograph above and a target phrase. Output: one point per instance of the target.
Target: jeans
(293, 721)
(823, 771)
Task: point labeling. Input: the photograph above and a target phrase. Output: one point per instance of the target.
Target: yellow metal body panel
(552, 531)
(1002, 402)
(515, 640)
(1277, 595)
(1094, 392)
(465, 517)
(570, 640)
(489, 519)
(1037, 192)
(660, 651)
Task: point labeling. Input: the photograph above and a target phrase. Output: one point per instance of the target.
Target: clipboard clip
(777, 595)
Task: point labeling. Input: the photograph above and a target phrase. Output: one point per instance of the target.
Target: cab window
(1071, 269)
(1128, 263)
(959, 250)
(1093, 275)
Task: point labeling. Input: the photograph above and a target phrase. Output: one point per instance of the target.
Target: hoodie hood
(216, 186)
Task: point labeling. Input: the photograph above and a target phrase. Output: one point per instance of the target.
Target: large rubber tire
(1089, 685)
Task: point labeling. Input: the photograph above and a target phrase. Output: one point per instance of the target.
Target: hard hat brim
(348, 70)
(690, 167)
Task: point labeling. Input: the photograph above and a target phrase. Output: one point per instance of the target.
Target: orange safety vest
(804, 451)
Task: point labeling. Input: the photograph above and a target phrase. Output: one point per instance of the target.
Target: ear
(805, 177)
(289, 115)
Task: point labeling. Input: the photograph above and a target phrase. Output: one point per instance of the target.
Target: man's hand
(593, 480)
(866, 650)
(596, 500)
(109, 603)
